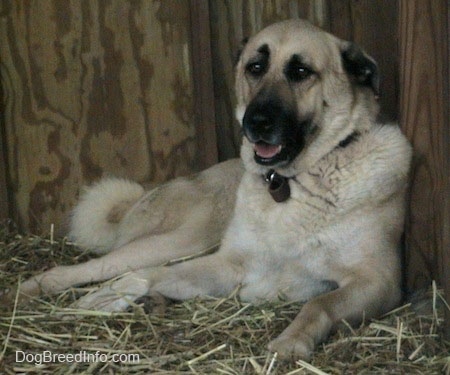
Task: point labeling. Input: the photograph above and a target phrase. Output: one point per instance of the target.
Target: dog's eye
(255, 69)
(298, 72)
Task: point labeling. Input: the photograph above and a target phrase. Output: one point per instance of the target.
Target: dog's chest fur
(299, 248)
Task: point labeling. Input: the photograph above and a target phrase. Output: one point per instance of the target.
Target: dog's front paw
(299, 346)
(116, 296)
(104, 299)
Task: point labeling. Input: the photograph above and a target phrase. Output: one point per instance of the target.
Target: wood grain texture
(93, 88)
(231, 22)
(372, 24)
(4, 201)
(424, 109)
(446, 226)
(204, 106)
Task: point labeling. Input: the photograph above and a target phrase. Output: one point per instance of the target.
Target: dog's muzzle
(273, 129)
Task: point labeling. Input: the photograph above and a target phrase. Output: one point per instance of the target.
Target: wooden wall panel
(231, 22)
(93, 88)
(4, 204)
(204, 106)
(446, 227)
(373, 25)
(424, 109)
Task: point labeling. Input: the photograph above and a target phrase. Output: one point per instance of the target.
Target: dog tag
(279, 187)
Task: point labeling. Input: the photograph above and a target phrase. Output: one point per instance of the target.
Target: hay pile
(201, 336)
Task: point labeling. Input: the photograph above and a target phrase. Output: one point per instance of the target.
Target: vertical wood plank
(4, 205)
(204, 106)
(446, 255)
(424, 114)
(373, 25)
(341, 21)
(5, 212)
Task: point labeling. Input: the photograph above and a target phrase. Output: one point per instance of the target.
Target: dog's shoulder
(387, 142)
(364, 172)
(375, 166)
(384, 150)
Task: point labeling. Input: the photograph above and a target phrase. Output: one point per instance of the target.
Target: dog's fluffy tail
(96, 218)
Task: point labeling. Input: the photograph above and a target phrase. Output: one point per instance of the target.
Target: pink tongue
(266, 151)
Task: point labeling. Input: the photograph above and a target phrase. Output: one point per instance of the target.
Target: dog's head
(301, 91)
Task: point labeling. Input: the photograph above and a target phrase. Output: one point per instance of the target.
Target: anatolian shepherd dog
(313, 211)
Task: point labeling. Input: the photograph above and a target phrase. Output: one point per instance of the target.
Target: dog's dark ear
(361, 67)
(239, 52)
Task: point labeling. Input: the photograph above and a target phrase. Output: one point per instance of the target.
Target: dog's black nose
(270, 122)
(260, 119)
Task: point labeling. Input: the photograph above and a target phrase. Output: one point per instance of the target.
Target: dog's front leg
(358, 298)
(212, 275)
(144, 252)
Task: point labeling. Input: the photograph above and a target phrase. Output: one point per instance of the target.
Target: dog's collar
(279, 187)
(350, 139)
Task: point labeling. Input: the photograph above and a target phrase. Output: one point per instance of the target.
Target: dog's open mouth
(266, 153)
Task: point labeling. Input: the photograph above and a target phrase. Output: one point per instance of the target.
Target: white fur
(90, 227)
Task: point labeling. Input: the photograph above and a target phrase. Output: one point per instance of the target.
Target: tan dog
(319, 206)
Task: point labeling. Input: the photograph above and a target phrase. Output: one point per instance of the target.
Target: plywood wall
(425, 118)
(93, 88)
